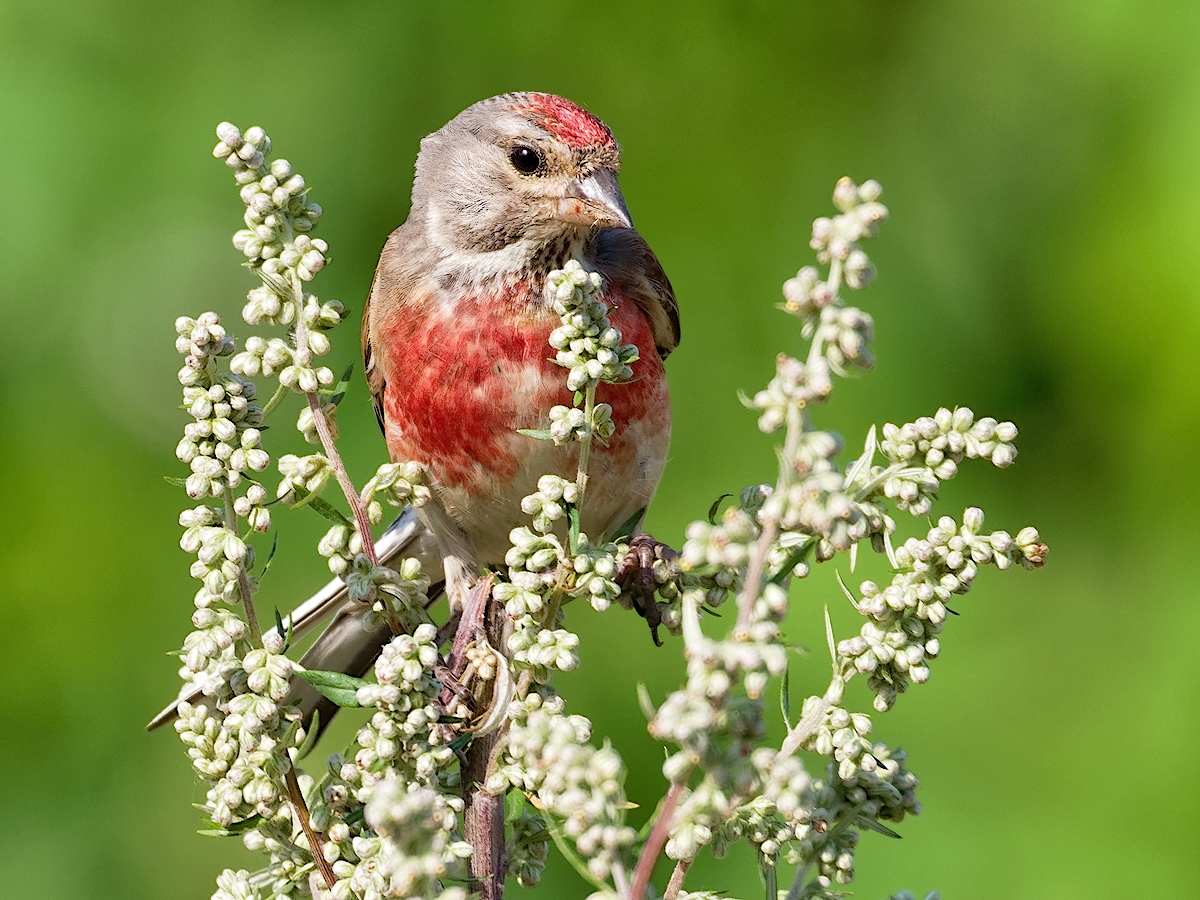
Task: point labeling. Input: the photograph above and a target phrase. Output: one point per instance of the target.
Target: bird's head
(515, 174)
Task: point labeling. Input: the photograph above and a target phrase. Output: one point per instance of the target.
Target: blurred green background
(1041, 165)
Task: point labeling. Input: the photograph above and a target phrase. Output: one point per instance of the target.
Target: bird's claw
(638, 580)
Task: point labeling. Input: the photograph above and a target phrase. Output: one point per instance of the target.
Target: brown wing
(375, 380)
(622, 255)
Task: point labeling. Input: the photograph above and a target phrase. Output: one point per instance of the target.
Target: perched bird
(455, 333)
(455, 343)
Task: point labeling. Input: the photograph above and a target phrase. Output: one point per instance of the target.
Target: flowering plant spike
(387, 816)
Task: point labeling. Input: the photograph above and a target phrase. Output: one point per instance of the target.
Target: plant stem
(585, 445)
(753, 584)
(483, 813)
(361, 522)
(655, 842)
(316, 842)
(244, 589)
(677, 876)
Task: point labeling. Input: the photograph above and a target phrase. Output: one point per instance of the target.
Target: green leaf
(310, 736)
(798, 556)
(175, 480)
(829, 637)
(873, 825)
(322, 507)
(863, 463)
(625, 532)
(237, 828)
(284, 631)
(538, 434)
(514, 805)
(271, 554)
(336, 686)
(712, 510)
(338, 392)
(644, 701)
(579, 398)
(573, 527)
(461, 741)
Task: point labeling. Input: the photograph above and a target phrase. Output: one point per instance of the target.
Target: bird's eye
(525, 160)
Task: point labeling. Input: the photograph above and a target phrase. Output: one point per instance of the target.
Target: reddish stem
(655, 843)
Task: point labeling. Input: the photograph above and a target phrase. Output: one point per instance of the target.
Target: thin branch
(677, 876)
(361, 522)
(655, 843)
(316, 842)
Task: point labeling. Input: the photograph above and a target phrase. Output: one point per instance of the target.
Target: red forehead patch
(573, 126)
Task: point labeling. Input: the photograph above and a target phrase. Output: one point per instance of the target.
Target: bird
(455, 345)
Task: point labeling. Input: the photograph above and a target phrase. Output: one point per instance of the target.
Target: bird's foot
(648, 564)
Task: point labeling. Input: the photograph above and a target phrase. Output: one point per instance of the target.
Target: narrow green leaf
(461, 741)
(862, 465)
(538, 434)
(845, 590)
(175, 480)
(770, 879)
(337, 393)
(270, 554)
(712, 510)
(573, 527)
(797, 556)
(829, 637)
(337, 686)
(648, 708)
(625, 532)
(310, 736)
(237, 828)
(873, 825)
(322, 507)
(785, 699)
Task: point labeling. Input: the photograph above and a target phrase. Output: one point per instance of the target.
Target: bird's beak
(595, 201)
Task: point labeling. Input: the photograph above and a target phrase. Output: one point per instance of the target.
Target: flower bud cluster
(231, 744)
(220, 555)
(308, 473)
(547, 755)
(904, 619)
(880, 789)
(842, 736)
(223, 441)
(278, 214)
(528, 848)
(233, 885)
(418, 850)
(794, 386)
(838, 237)
(548, 505)
(399, 735)
(927, 452)
(839, 333)
(399, 484)
(294, 366)
(586, 342)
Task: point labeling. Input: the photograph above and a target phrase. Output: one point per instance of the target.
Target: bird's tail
(344, 646)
